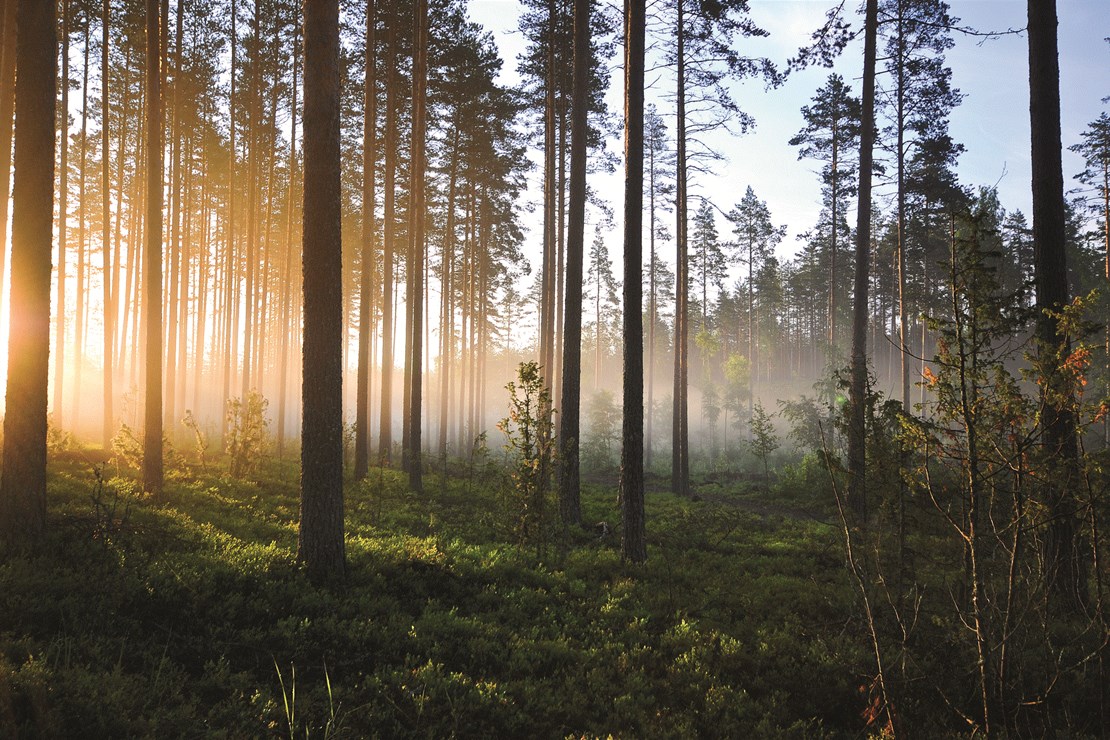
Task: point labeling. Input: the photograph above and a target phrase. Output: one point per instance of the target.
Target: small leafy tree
(200, 437)
(531, 448)
(603, 421)
(246, 434)
(762, 441)
(127, 450)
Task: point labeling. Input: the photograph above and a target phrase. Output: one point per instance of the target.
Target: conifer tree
(23, 478)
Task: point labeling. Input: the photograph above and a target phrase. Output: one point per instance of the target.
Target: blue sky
(992, 122)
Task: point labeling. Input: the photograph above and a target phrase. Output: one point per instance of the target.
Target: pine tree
(756, 239)
(633, 540)
(831, 136)
(152, 254)
(23, 480)
(1095, 150)
(1062, 573)
(707, 258)
(919, 99)
(569, 427)
(857, 387)
(320, 545)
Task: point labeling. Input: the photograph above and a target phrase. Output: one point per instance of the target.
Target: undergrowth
(191, 617)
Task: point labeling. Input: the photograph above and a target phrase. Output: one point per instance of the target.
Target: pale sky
(992, 122)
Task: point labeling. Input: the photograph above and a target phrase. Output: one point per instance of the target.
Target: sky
(992, 122)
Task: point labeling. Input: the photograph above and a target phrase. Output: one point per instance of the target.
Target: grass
(190, 617)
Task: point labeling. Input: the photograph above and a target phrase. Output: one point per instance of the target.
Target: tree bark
(680, 436)
(286, 312)
(633, 542)
(152, 257)
(857, 390)
(63, 224)
(365, 312)
(416, 242)
(7, 111)
(108, 277)
(1058, 423)
(23, 481)
(320, 545)
(570, 507)
(385, 424)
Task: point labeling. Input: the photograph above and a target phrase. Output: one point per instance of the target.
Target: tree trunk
(286, 312)
(385, 424)
(447, 326)
(550, 201)
(633, 542)
(653, 310)
(110, 266)
(857, 390)
(320, 545)
(231, 282)
(570, 507)
(63, 227)
(7, 110)
(23, 481)
(178, 264)
(152, 257)
(365, 312)
(900, 153)
(80, 323)
(680, 438)
(416, 241)
(1063, 574)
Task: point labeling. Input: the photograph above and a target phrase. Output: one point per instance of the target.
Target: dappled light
(476, 368)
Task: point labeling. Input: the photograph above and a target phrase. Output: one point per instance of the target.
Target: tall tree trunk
(80, 324)
(23, 481)
(179, 265)
(900, 153)
(366, 301)
(857, 390)
(633, 543)
(385, 423)
(231, 281)
(63, 227)
(286, 312)
(1063, 574)
(7, 110)
(570, 508)
(680, 438)
(835, 205)
(108, 277)
(447, 325)
(653, 311)
(417, 241)
(320, 545)
(152, 257)
(550, 202)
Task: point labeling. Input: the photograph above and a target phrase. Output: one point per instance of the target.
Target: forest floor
(189, 616)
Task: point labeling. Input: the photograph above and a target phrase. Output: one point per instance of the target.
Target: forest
(328, 411)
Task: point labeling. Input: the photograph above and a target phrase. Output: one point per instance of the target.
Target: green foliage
(127, 450)
(763, 439)
(531, 446)
(445, 628)
(200, 438)
(246, 440)
(737, 370)
(111, 501)
(809, 427)
(57, 439)
(603, 431)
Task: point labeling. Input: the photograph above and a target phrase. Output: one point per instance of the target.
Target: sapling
(763, 440)
(531, 448)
